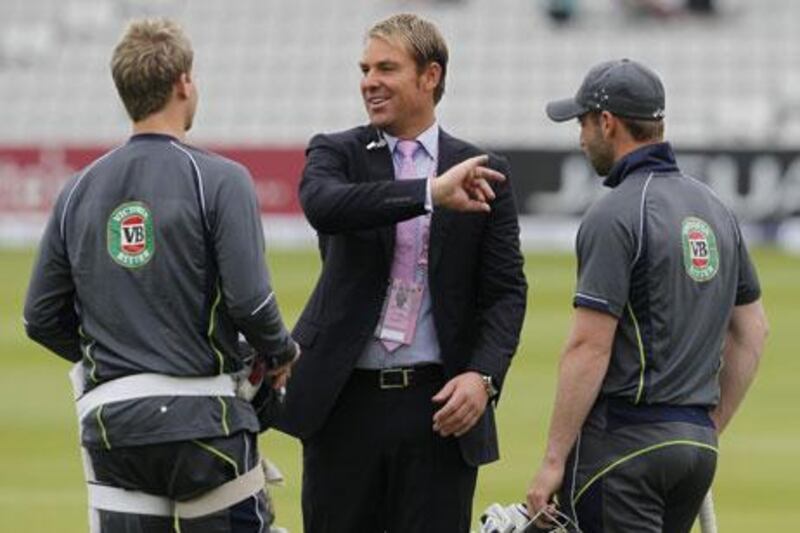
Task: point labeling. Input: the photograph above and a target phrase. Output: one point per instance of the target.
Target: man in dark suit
(412, 325)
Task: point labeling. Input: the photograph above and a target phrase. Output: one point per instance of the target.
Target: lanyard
(423, 230)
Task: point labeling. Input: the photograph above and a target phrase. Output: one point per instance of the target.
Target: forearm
(266, 333)
(252, 306)
(332, 206)
(239, 248)
(744, 344)
(581, 374)
(499, 332)
(500, 325)
(740, 363)
(503, 289)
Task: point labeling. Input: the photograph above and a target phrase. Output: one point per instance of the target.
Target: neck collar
(657, 157)
(429, 139)
(153, 137)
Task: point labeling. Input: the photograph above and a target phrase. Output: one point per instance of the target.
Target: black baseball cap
(622, 87)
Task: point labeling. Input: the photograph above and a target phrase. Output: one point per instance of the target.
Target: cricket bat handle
(707, 517)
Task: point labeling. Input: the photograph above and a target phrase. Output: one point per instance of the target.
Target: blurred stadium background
(273, 72)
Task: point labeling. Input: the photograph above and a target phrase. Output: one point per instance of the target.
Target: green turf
(756, 488)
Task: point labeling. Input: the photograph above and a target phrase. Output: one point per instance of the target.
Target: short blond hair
(422, 39)
(147, 61)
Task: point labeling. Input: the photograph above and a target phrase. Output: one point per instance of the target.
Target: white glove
(251, 379)
(499, 519)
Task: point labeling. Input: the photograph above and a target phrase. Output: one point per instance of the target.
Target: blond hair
(421, 38)
(147, 61)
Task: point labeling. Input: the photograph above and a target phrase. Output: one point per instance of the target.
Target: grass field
(756, 489)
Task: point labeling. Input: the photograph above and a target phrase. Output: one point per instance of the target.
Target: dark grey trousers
(642, 469)
(181, 471)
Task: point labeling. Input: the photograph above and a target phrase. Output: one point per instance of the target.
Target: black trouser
(378, 466)
(640, 469)
(182, 471)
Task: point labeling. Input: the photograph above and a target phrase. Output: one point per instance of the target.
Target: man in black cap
(668, 326)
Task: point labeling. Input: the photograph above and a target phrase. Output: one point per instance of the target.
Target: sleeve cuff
(747, 297)
(428, 195)
(284, 357)
(598, 304)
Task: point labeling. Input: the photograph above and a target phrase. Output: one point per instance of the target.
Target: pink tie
(406, 232)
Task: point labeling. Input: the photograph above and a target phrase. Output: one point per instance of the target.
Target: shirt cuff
(428, 197)
(596, 303)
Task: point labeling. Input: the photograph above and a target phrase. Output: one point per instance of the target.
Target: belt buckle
(404, 372)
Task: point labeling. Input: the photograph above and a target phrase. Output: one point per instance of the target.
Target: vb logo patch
(129, 237)
(700, 254)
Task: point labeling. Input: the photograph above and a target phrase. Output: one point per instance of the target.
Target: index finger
(447, 409)
(490, 174)
(280, 381)
(475, 206)
(476, 161)
(486, 190)
(545, 516)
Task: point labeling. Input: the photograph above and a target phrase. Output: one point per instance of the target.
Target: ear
(184, 86)
(608, 124)
(432, 75)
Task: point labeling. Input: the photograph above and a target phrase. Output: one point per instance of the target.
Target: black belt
(398, 378)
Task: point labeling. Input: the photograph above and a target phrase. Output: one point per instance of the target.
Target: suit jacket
(478, 288)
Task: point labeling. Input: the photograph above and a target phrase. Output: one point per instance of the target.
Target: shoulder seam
(199, 178)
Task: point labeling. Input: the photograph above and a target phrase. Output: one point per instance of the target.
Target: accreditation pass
(400, 311)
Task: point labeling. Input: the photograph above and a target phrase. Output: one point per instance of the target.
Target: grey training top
(665, 256)
(153, 261)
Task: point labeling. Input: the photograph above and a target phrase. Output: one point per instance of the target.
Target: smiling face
(398, 96)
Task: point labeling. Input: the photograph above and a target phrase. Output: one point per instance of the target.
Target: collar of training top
(657, 157)
(153, 137)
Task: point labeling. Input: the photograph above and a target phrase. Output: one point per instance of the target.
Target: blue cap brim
(563, 110)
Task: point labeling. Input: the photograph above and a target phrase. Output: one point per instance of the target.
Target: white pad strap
(147, 385)
(128, 501)
(225, 496)
(135, 502)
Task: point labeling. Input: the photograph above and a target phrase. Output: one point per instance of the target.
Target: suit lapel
(380, 168)
(449, 151)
